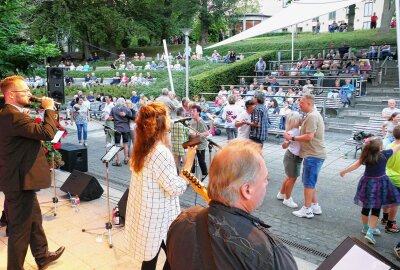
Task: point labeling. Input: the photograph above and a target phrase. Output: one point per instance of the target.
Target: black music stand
(107, 158)
(55, 199)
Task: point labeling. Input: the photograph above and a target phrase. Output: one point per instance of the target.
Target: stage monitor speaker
(55, 83)
(84, 185)
(122, 204)
(74, 157)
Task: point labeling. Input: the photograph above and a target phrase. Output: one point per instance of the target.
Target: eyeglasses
(26, 91)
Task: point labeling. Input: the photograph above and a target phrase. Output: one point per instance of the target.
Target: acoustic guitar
(196, 184)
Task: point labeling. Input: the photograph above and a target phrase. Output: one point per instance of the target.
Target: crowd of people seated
(341, 27)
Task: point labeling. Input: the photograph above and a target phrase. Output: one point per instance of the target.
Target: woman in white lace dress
(155, 187)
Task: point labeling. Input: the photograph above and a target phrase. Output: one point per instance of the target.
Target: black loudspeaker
(84, 185)
(55, 83)
(74, 157)
(122, 204)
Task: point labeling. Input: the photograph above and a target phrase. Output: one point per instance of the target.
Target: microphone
(36, 99)
(211, 142)
(182, 120)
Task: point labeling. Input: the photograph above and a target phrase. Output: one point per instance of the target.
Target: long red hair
(151, 127)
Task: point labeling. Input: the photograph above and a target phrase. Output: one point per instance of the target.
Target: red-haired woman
(153, 201)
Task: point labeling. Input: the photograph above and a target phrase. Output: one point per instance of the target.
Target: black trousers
(25, 228)
(201, 158)
(151, 265)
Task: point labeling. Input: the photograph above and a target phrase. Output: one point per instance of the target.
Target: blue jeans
(311, 168)
(81, 127)
(232, 133)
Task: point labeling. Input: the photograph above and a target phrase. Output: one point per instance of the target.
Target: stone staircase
(370, 105)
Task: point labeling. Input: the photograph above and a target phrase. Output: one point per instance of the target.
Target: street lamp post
(186, 32)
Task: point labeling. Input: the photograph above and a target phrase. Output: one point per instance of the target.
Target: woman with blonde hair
(291, 160)
(153, 201)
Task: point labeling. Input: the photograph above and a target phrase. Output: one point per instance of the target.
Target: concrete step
(362, 113)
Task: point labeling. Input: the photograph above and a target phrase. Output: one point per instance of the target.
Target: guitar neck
(196, 184)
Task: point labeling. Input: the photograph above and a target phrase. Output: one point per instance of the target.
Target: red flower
(38, 120)
(61, 128)
(46, 151)
(66, 123)
(58, 124)
(57, 146)
(61, 118)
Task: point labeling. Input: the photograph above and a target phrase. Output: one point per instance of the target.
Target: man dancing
(24, 169)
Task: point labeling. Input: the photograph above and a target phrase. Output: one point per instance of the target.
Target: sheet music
(111, 154)
(57, 137)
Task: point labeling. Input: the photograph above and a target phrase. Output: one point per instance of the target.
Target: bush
(209, 81)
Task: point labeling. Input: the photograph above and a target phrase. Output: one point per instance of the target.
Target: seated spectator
(67, 64)
(273, 107)
(297, 87)
(116, 79)
(342, 26)
(293, 71)
(304, 63)
(290, 92)
(129, 66)
(270, 93)
(281, 71)
(373, 50)
(274, 84)
(68, 80)
(232, 57)
(161, 65)
(72, 66)
(133, 80)
(142, 57)
(39, 82)
(179, 56)
(333, 27)
(86, 81)
(353, 68)
(215, 56)
(93, 80)
(348, 88)
(86, 67)
(141, 79)
(332, 49)
(242, 81)
(149, 77)
(79, 67)
(280, 93)
(226, 57)
(113, 66)
(285, 110)
(326, 64)
(147, 66)
(121, 57)
(219, 100)
(177, 66)
(136, 57)
(96, 57)
(335, 91)
(122, 66)
(266, 81)
(204, 108)
(319, 61)
(385, 51)
(308, 88)
(90, 97)
(391, 108)
(124, 80)
(61, 65)
(153, 65)
(344, 49)
(194, 56)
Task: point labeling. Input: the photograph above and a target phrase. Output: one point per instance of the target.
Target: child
(291, 160)
(179, 135)
(374, 189)
(393, 172)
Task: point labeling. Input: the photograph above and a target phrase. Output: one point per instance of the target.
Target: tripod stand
(55, 199)
(109, 156)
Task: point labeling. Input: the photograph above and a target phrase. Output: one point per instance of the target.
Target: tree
(18, 51)
(389, 9)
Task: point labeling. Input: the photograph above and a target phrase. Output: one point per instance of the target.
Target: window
(332, 16)
(284, 29)
(299, 29)
(315, 19)
(366, 25)
(368, 9)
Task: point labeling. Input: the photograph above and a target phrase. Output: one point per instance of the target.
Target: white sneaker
(316, 209)
(304, 212)
(280, 196)
(290, 203)
(109, 145)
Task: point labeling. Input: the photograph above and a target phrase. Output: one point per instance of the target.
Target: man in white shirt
(391, 108)
(109, 121)
(243, 120)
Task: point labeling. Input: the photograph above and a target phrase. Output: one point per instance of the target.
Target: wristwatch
(293, 138)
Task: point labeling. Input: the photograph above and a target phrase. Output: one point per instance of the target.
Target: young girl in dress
(374, 190)
(291, 160)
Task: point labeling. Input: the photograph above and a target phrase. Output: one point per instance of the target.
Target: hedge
(210, 81)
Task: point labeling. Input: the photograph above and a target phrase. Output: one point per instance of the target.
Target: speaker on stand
(55, 84)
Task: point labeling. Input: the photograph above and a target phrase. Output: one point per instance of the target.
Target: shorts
(311, 168)
(125, 137)
(292, 164)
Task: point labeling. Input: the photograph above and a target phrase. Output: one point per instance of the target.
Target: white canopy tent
(297, 12)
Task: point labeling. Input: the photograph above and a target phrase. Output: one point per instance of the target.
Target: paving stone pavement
(340, 217)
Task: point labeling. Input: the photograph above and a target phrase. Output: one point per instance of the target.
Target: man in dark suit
(24, 169)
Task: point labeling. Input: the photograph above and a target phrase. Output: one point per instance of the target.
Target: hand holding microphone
(47, 103)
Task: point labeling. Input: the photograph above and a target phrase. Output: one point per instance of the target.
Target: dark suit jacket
(23, 164)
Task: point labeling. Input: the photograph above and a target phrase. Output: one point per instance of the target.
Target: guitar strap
(205, 251)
